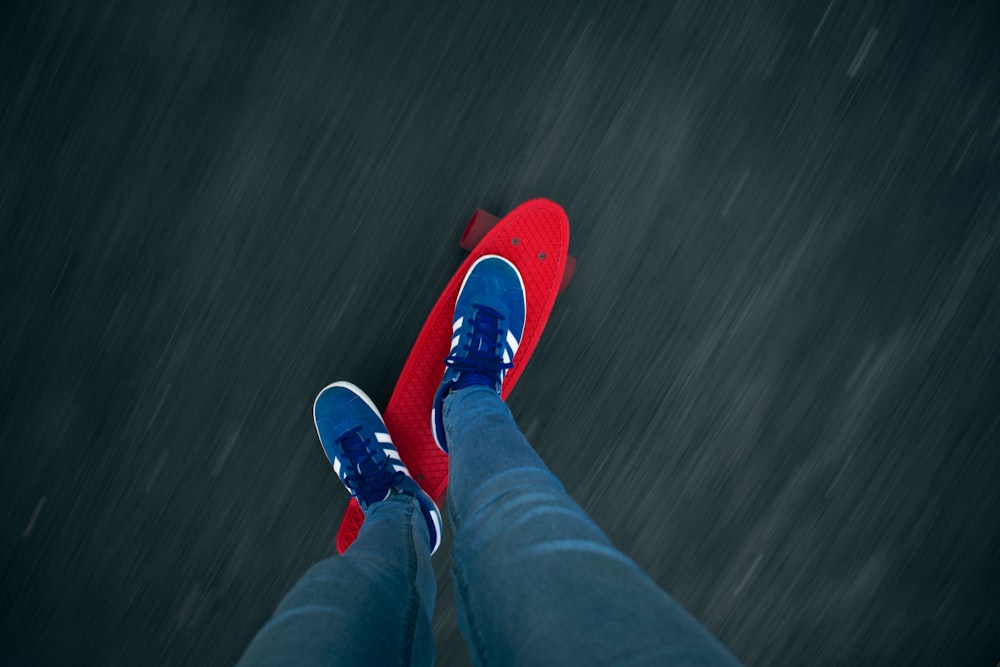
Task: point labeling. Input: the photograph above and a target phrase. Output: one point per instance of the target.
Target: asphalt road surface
(774, 380)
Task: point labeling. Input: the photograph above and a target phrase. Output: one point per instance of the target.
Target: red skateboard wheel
(567, 272)
(479, 224)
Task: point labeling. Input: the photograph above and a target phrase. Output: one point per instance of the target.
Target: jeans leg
(537, 581)
(370, 606)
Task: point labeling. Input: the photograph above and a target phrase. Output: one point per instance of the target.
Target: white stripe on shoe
(512, 343)
(458, 324)
(437, 531)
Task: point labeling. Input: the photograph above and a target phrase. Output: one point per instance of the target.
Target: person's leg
(537, 581)
(371, 606)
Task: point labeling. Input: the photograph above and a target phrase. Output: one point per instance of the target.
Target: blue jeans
(537, 582)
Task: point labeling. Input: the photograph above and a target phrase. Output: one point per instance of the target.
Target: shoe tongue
(469, 379)
(354, 445)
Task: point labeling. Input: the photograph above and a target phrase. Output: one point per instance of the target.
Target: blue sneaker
(486, 332)
(358, 445)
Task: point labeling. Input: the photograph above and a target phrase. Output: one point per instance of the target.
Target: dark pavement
(774, 380)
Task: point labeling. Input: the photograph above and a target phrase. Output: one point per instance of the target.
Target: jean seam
(478, 641)
(410, 622)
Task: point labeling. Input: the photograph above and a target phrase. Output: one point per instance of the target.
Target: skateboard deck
(535, 237)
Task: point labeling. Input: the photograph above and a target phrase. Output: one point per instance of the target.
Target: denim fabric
(537, 582)
(371, 606)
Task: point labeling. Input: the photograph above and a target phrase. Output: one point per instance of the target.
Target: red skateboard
(535, 237)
